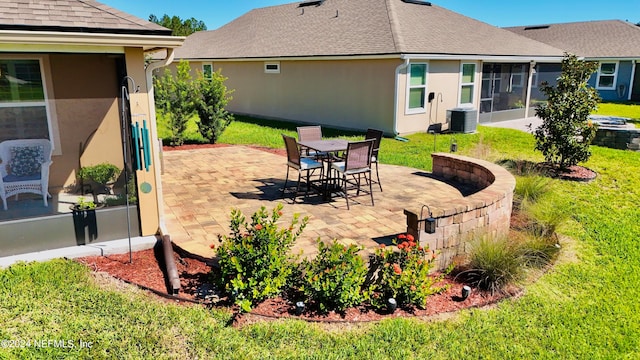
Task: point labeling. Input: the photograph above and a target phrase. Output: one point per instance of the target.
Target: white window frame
(204, 73)
(49, 105)
(472, 84)
(271, 64)
(615, 75)
(419, 110)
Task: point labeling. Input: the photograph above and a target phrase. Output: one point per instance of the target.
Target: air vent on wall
(311, 3)
(538, 27)
(419, 2)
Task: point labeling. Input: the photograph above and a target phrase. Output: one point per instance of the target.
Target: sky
(216, 13)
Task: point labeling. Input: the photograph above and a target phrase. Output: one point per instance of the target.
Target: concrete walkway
(202, 186)
(527, 124)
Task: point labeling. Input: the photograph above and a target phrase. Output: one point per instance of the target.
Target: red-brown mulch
(577, 173)
(146, 270)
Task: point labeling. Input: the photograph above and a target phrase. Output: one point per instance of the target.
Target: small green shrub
(538, 251)
(103, 173)
(403, 274)
(566, 131)
(83, 204)
(522, 167)
(494, 263)
(545, 218)
(174, 97)
(211, 99)
(255, 261)
(334, 279)
(531, 188)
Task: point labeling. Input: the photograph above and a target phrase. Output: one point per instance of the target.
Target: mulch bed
(147, 271)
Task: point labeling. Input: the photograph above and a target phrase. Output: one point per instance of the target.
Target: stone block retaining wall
(486, 211)
(615, 138)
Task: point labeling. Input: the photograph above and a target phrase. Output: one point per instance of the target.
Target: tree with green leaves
(174, 97)
(180, 27)
(212, 98)
(566, 131)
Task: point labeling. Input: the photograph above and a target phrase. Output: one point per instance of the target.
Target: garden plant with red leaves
(403, 274)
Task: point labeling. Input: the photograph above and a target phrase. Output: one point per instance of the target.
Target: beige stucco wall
(352, 94)
(85, 93)
(443, 79)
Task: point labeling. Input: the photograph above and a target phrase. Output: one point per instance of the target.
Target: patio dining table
(329, 146)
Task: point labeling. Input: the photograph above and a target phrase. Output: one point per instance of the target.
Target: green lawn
(585, 307)
(627, 110)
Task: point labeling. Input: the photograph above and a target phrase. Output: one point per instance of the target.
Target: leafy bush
(82, 204)
(255, 260)
(212, 98)
(404, 274)
(103, 173)
(174, 97)
(566, 132)
(334, 279)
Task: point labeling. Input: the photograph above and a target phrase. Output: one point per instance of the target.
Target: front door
(490, 88)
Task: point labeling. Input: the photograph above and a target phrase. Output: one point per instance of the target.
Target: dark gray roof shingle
(591, 39)
(72, 15)
(356, 27)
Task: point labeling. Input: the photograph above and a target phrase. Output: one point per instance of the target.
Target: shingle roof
(72, 15)
(356, 27)
(591, 39)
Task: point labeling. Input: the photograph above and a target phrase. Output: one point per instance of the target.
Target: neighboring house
(396, 65)
(614, 44)
(65, 66)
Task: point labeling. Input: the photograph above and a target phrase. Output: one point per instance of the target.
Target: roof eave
(484, 57)
(297, 58)
(89, 39)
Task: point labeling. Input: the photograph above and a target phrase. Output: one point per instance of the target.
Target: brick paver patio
(200, 188)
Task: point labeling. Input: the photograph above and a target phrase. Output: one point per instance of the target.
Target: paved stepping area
(202, 186)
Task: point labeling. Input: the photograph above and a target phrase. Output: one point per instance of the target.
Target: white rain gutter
(154, 135)
(89, 39)
(405, 64)
(486, 58)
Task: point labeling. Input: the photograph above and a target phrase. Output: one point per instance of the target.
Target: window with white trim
(417, 88)
(207, 70)
(607, 74)
(467, 83)
(272, 67)
(24, 112)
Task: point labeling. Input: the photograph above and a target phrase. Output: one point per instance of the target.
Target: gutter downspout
(167, 249)
(154, 135)
(404, 65)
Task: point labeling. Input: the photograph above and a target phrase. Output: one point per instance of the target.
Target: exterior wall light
(430, 222)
